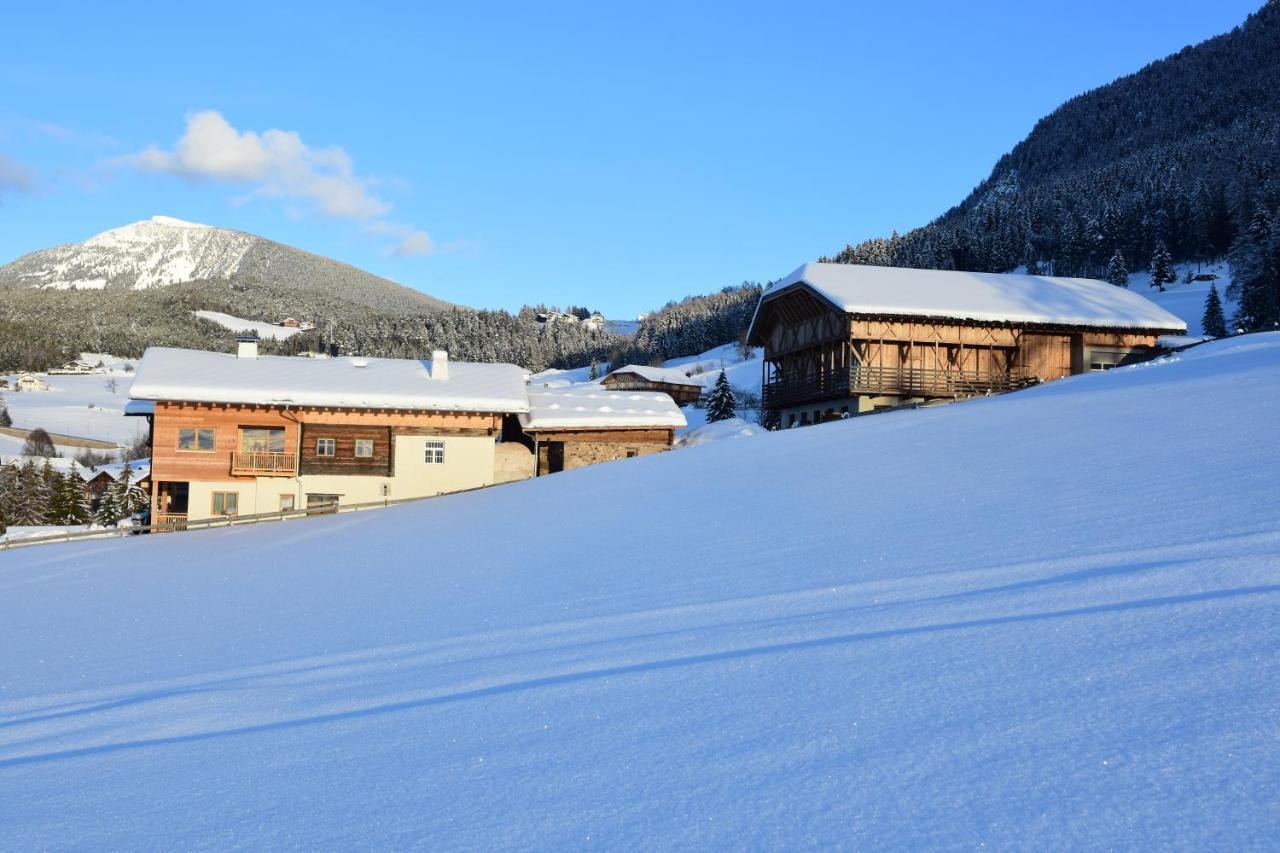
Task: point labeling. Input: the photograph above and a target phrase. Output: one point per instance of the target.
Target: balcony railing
(893, 381)
(268, 464)
(169, 521)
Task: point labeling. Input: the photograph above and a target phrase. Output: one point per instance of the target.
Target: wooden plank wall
(344, 460)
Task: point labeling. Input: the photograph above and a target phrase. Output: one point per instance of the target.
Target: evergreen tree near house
(109, 511)
(32, 505)
(9, 483)
(594, 373)
(129, 497)
(770, 419)
(5, 420)
(70, 501)
(721, 405)
(1162, 267)
(1214, 322)
(1117, 270)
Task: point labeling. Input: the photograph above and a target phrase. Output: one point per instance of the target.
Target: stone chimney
(439, 364)
(247, 347)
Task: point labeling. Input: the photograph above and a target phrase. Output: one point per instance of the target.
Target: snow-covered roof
(588, 406)
(669, 375)
(139, 468)
(1179, 341)
(982, 297)
(361, 383)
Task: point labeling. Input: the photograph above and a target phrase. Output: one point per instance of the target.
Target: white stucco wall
(468, 464)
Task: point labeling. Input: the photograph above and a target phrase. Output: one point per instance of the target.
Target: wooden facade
(816, 354)
(229, 455)
(623, 380)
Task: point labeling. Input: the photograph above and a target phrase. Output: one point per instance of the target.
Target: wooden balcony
(889, 381)
(263, 465)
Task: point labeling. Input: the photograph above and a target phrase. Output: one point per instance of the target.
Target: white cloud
(410, 241)
(275, 163)
(14, 177)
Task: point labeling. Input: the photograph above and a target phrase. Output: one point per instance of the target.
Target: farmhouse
(582, 424)
(242, 434)
(669, 380)
(30, 382)
(843, 339)
(140, 477)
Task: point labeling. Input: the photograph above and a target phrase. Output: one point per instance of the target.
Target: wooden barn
(666, 380)
(843, 339)
(576, 425)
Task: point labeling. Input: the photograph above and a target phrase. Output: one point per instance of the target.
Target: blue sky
(612, 155)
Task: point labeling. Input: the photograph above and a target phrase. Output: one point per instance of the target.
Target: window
(286, 503)
(435, 453)
(261, 440)
(199, 440)
(315, 501)
(325, 447)
(226, 503)
(632, 453)
(364, 448)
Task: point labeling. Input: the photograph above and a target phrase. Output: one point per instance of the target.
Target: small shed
(667, 380)
(577, 425)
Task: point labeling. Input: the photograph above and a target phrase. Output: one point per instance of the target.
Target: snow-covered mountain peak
(157, 228)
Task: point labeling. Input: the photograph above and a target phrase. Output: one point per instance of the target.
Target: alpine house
(842, 339)
(243, 434)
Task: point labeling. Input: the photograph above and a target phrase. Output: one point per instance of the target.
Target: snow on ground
(1187, 300)
(1043, 620)
(718, 431)
(80, 405)
(266, 331)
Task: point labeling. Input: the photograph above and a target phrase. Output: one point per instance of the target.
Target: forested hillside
(43, 328)
(1178, 160)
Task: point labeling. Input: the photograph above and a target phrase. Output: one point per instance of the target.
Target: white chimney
(439, 364)
(246, 347)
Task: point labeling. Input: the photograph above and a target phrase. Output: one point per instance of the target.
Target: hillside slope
(165, 251)
(1042, 620)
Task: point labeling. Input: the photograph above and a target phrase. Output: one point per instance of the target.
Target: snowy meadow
(1047, 619)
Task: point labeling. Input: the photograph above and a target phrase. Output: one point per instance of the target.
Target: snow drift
(1043, 620)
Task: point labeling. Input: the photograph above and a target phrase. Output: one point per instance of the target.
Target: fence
(170, 524)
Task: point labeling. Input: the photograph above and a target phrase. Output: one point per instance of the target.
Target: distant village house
(668, 380)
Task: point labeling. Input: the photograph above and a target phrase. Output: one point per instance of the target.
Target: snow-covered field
(1044, 620)
(266, 331)
(80, 405)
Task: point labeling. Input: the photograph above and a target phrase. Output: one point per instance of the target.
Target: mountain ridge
(163, 251)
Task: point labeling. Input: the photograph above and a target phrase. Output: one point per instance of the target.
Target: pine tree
(1214, 323)
(770, 419)
(594, 373)
(33, 501)
(5, 420)
(110, 510)
(721, 405)
(1117, 270)
(1255, 275)
(1162, 267)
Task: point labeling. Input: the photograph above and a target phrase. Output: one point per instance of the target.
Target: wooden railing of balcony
(897, 381)
(269, 464)
(163, 521)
